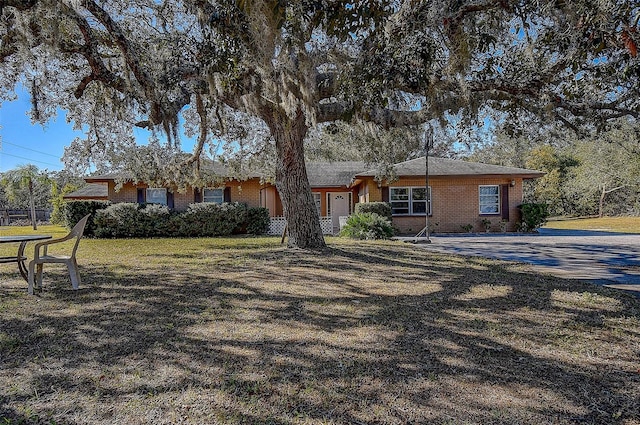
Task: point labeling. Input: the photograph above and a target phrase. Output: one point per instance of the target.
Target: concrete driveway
(611, 259)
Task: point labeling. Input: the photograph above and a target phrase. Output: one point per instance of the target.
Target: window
(409, 200)
(215, 196)
(489, 199)
(156, 195)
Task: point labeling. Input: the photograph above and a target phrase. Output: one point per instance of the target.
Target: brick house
(461, 193)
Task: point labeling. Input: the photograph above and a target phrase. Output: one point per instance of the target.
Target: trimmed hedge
(258, 221)
(73, 211)
(206, 219)
(130, 220)
(381, 208)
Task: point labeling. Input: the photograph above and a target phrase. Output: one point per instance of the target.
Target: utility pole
(428, 145)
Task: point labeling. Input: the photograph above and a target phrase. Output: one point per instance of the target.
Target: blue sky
(24, 143)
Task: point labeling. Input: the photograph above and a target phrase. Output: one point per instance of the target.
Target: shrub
(257, 220)
(120, 220)
(202, 219)
(533, 215)
(468, 228)
(155, 221)
(73, 211)
(381, 208)
(367, 226)
(207, 219)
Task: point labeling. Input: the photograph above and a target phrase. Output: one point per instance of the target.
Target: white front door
(339, 204)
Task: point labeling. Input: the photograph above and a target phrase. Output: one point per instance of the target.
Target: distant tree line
(586, 175)
(26, 187)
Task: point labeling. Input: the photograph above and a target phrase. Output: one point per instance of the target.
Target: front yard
(239, 331)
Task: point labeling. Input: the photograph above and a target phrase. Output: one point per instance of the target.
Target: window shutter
(141, 195)
(385, 194)
(505, 202)
(227, 194)
(170, 199)
(197, 195)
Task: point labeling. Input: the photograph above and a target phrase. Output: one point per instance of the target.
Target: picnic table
(20, 258)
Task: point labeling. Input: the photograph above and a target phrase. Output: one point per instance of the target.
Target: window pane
(418, 194)
(419, 207)
(215, 196)
(399, 207)
(399, 211)
(157, 196)
(489, 209)
(488, 190)
(398, 193)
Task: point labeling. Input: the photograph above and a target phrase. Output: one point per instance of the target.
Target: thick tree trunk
(303, 224)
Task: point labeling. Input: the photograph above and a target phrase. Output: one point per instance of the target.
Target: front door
(339, 203)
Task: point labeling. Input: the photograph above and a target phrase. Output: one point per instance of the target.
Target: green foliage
(381, 208)
(23, 183)
(119, 220)
(202, 219)
(72, 212)
(534, 215)
(206, 219)
(467, 227)
(367, 226)
(257, 220)
(57, 201)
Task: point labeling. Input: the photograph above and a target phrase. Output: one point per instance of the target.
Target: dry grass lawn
(243, 331)
(609, 224)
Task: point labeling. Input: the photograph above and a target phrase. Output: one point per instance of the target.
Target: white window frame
(153, 192)
(491, 200)
(212, 197)
(410, 201)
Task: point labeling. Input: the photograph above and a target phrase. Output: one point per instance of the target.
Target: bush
(155, 221)
(73, 211)
(381, 208)
(367, 226)
(131, 220)
(120, 220)
(257, 220)
(206, 219)
(533, 215)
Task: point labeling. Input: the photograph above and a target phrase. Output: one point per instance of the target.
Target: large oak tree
(287, 66)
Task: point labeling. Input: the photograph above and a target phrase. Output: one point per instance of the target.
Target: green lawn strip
(241, 330)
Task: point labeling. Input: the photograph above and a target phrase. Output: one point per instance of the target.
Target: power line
(29, 159)
(28, 149)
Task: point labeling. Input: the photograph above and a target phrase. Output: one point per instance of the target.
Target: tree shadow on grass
(362, 334)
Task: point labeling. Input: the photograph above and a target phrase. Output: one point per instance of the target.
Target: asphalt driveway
(611, 259)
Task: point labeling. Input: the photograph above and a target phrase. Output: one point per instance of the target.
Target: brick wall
(455, 203)
(245, 192)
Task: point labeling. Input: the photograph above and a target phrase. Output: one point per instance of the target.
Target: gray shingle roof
(456, 167)
(333, 174)
(91, 190)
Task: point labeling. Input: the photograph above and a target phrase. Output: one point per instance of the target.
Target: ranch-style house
(461, 194)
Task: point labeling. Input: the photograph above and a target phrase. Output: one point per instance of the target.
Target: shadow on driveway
(604, 258)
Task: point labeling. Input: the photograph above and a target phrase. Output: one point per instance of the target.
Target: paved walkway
(611, 259)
